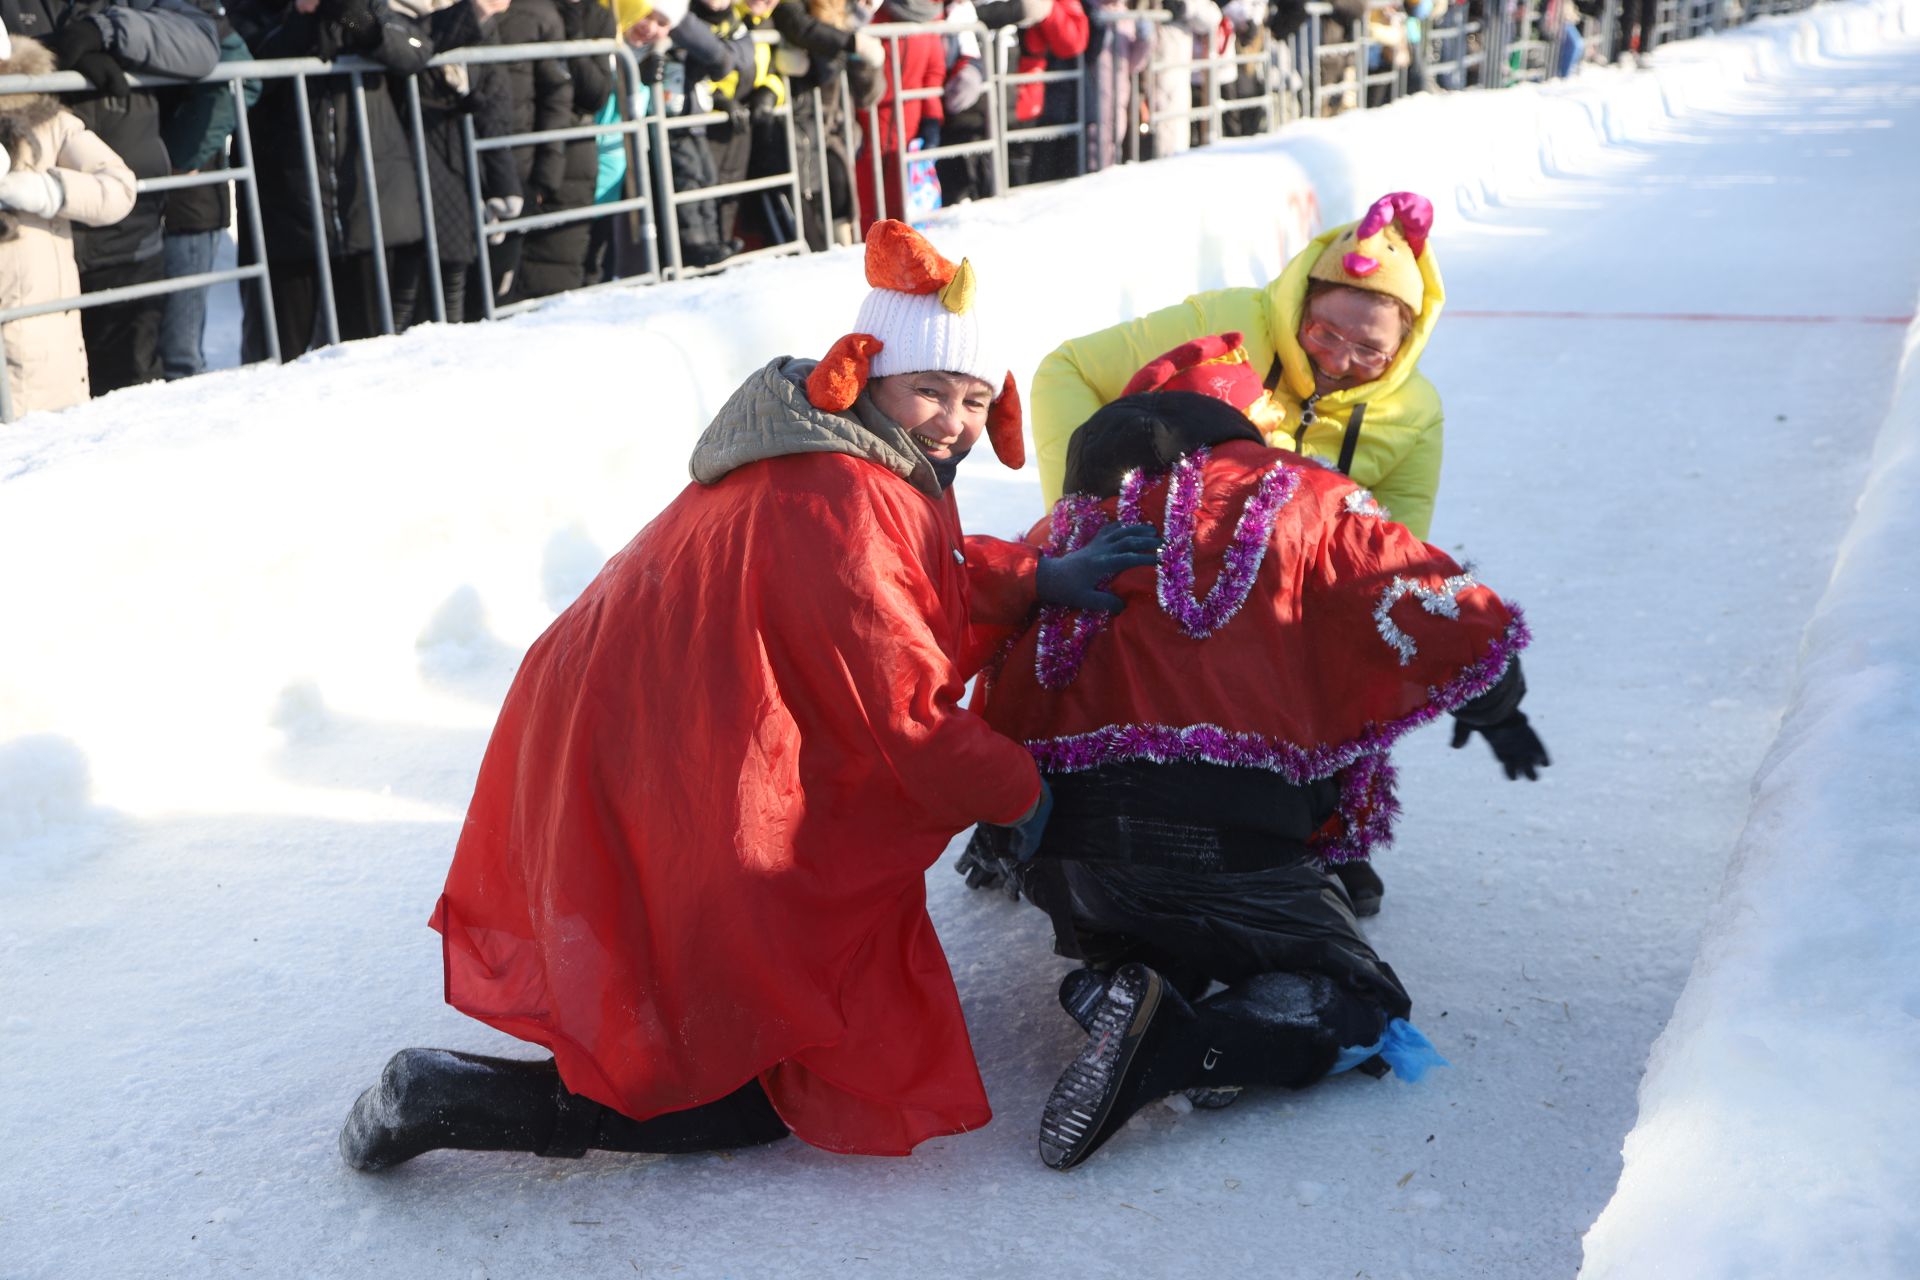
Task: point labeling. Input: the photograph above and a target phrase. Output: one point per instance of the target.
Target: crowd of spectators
(722, 73)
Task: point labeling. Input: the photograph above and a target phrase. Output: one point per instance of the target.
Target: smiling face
(945, 413)
(1351, 336)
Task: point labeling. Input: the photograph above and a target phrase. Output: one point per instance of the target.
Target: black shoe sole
(1080, 1114)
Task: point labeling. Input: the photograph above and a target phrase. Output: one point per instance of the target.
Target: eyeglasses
(1324, 337)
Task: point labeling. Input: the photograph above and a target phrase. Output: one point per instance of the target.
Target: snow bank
(1778, 1131)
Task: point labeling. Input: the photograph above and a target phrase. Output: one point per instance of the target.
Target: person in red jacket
(1213, 746)
(913, 62)
(1053, 44)
(694, 864)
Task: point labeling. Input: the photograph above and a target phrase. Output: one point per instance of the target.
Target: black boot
(1147, 1041)
(1363, 886)
(433, 1098)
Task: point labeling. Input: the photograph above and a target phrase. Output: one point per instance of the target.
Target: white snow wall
(1779, 1131)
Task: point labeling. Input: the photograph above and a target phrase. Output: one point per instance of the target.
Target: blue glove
(1079, 578)
(1026, 833)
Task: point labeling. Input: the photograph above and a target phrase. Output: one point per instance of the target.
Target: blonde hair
(831, 12)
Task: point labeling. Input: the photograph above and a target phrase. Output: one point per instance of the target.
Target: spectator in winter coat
(448, 97)
(1120, 49)
(685, 56)
(197, 121)
(53, 173)
(1053, 44)
(1337, 339)
(817, 41)
(1207, 752)
(103, 40)
(964, 101)
(705, 893)
(895, 122)
(567, 93)
(330, 29)
(1170, 86)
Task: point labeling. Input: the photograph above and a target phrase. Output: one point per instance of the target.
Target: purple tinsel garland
(1241, 562)
(1065, 633)
(1366, 802)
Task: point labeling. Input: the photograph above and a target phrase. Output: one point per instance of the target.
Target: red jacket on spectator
(1062, 35)
(923, 65)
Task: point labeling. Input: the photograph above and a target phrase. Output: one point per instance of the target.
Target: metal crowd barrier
(1294, 74)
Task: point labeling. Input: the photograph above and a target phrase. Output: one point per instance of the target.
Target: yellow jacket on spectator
(1396, 450)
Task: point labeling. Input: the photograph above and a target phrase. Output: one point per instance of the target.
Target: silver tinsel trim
(1361, 502)
(1440, 602)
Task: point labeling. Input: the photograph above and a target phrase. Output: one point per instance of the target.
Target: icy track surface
(253, 631)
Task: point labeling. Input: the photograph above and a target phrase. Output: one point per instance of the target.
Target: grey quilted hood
(771, 417)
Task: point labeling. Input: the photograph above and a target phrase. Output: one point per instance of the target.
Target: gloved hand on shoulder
(1078, 579)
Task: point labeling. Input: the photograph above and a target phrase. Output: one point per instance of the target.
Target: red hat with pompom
(1216, 365)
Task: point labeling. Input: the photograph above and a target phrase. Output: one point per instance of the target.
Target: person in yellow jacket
(1337, 339)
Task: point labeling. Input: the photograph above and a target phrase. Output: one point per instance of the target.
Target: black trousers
(296, 305)
(123, 338)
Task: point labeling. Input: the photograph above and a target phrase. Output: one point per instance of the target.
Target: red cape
(1350, 632)
(697, 848)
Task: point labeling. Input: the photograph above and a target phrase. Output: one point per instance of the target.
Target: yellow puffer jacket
(1398, 445)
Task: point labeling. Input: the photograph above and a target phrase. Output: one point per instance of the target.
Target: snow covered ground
(253, 630)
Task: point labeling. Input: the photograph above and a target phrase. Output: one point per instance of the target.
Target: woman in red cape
(693, 867)
(1212, 747)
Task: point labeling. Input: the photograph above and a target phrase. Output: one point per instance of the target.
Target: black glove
(359, 29)
(1513, 741)
(1176, 9)
(79, 46)
(1077, 579)
(761, 106)
(1025, 834)
(929, 133)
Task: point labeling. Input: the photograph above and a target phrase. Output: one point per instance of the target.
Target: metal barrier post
(322, 260)
(899, 132)
(420, 175)
(484, 258)
(663, 177)
(256, 228)
(382, 285)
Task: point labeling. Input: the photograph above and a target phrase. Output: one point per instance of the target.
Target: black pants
(296, 306)
(123, 338)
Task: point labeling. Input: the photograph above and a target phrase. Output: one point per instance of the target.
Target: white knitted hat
(921, 333)
(919, 317)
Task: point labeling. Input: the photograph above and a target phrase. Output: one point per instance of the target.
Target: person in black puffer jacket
(331, 29)
(103, 41)
(448, 96)
(554, 259)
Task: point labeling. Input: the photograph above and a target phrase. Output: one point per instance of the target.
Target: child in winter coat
(694, 865)
(56, 173)
(1213, 745)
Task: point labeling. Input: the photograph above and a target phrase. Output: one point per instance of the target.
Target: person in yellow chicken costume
(1336, 338)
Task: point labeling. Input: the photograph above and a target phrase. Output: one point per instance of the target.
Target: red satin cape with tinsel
(1301, 670)
(697, 848)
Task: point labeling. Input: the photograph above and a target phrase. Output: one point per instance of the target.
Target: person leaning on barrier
(54, 173)
(1055, 43)
(103, 40)
(1336, 339)
(553, 93)
(922, 63)
(332, 29)
(196, 122)
(449, 96)
(968, 118)
(683, 57)
(817, 43)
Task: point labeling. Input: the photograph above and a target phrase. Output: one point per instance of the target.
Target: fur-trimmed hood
(22, 113)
